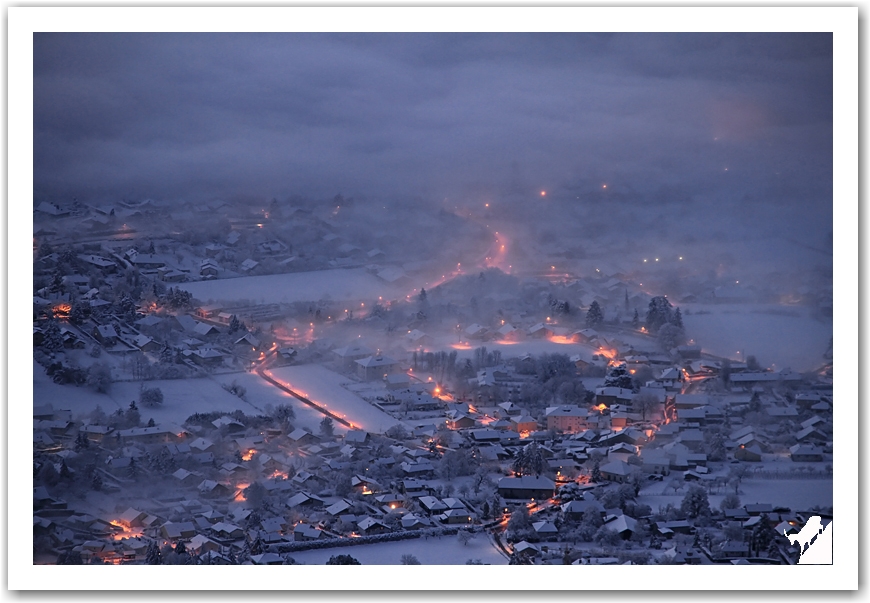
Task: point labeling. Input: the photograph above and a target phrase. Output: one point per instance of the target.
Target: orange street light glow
(543, 193)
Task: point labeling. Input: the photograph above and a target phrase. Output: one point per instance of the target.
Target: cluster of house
(206, 503)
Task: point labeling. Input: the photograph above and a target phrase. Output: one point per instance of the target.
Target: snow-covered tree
(150, 396)
(99, 377)
(730, 501)
(695, 502)
(342, 560)
(677, 319)
(52, 340)
(618, 376)
(635, 321)
(659, 313)
(594, 316)
(235, 325)
(327, 427)
(529, 460)
(596, 473)
(670, 336)
(519, 526)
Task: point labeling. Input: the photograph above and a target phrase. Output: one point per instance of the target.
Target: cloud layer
(739, 118)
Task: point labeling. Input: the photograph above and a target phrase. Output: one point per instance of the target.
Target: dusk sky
(660, 117)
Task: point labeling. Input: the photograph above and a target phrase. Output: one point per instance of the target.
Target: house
(566, 419)
(585, 336)
(540, 331)
(98, 262)
(397, 381)
(248, 265)
(432, 505)
(208, 267)
(545, 529)
(689, 351)
(418, 338)
(612, 395)
(576, 508)
(356, 437)
(526, 487)
(213, 489)
(375, 367)
(412, 521)
(346, 356)
(175, 531)
(132, 518)
(304, 499)
(159, 434)
(508, 332)
(306, 532)
(300, 437)
(206, 357)
(369, 526)
(106, 334)
(96, 433)
(476, 331)
(148, 261)
(51, 209)
(616, 471)
(248, 340)
(809, 434)
(460, 421)
(687, 401)
(731, 549)
(751, 453)
(200, 544)
(623, 525)
(807, 399)
(187, 478)
(804, 453)
(204, 329)
(524, 423)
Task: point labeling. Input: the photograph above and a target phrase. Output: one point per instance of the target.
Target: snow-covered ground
(335, 285)
(323, 387)
(264, 394)
(181, 397)
(797, 494)
(444, 550)
(780, 335)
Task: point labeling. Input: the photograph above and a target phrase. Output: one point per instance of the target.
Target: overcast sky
(732, 117)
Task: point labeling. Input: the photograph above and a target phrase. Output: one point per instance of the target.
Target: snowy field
(784, 340)
(264, 394)
(797, 494)
(323, 386)
(335, 285)
(181, 397)
(444, 550)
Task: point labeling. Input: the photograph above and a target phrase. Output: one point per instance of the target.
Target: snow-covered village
(562, 371)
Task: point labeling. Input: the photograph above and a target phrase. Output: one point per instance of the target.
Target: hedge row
(291, 547)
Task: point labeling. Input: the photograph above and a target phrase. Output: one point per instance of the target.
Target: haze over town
(431, 298)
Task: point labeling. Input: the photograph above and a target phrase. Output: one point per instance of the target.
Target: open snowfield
(181, 397)
(787, 341)
(337, 285)
(797, 494)
(264, 394)
(323, 387)
(444, 550)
